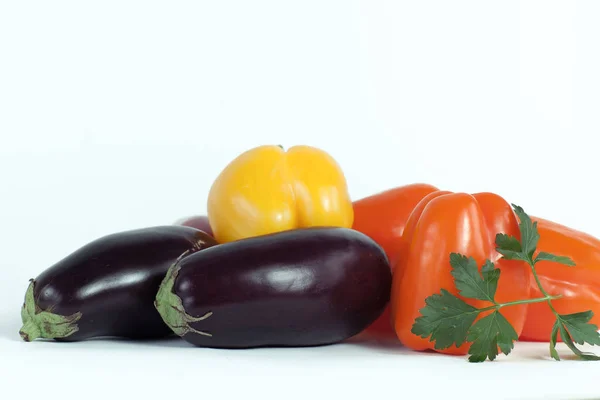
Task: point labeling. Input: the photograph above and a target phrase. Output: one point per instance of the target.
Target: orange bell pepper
(579, 285)
(383, 216)
(419, 226)
(267, 189)
(442, 223)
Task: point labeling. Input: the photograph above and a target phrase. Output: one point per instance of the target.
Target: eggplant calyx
(44, 324)
(170, 306)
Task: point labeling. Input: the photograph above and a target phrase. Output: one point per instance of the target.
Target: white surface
(173, 369)
(116, 115)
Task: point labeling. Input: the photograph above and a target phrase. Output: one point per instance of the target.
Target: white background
(118, 114)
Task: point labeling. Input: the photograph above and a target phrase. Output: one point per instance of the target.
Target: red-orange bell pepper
(443, 223)
(579, 285)
(385, 218)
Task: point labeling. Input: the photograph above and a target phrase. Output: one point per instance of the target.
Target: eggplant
(108, 286)
(197, 221)
(302, 287)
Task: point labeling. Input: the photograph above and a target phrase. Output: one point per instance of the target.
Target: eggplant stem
(170, 307)
(44, 324)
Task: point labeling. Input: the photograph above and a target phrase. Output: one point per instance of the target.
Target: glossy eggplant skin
(303, 287)
(111, 283)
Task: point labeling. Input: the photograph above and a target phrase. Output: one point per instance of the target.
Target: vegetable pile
(284, 258)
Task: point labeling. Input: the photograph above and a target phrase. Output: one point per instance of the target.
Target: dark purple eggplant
(197, 221)
(302, 287)
(107, 287)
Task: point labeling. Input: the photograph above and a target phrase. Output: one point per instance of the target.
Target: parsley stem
(548, 297)
(498, 306)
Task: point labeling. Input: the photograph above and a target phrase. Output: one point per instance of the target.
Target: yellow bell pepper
(267, 189)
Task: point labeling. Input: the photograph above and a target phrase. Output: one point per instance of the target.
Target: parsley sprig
(448, 320)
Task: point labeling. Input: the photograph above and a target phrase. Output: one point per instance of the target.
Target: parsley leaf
(575, 328)
(470, 282)
(581, 330)
(553, 339)
(508, 243)
(488, 334)
(509, 247)
(543, 256)
(529, 232)
(446, 319)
